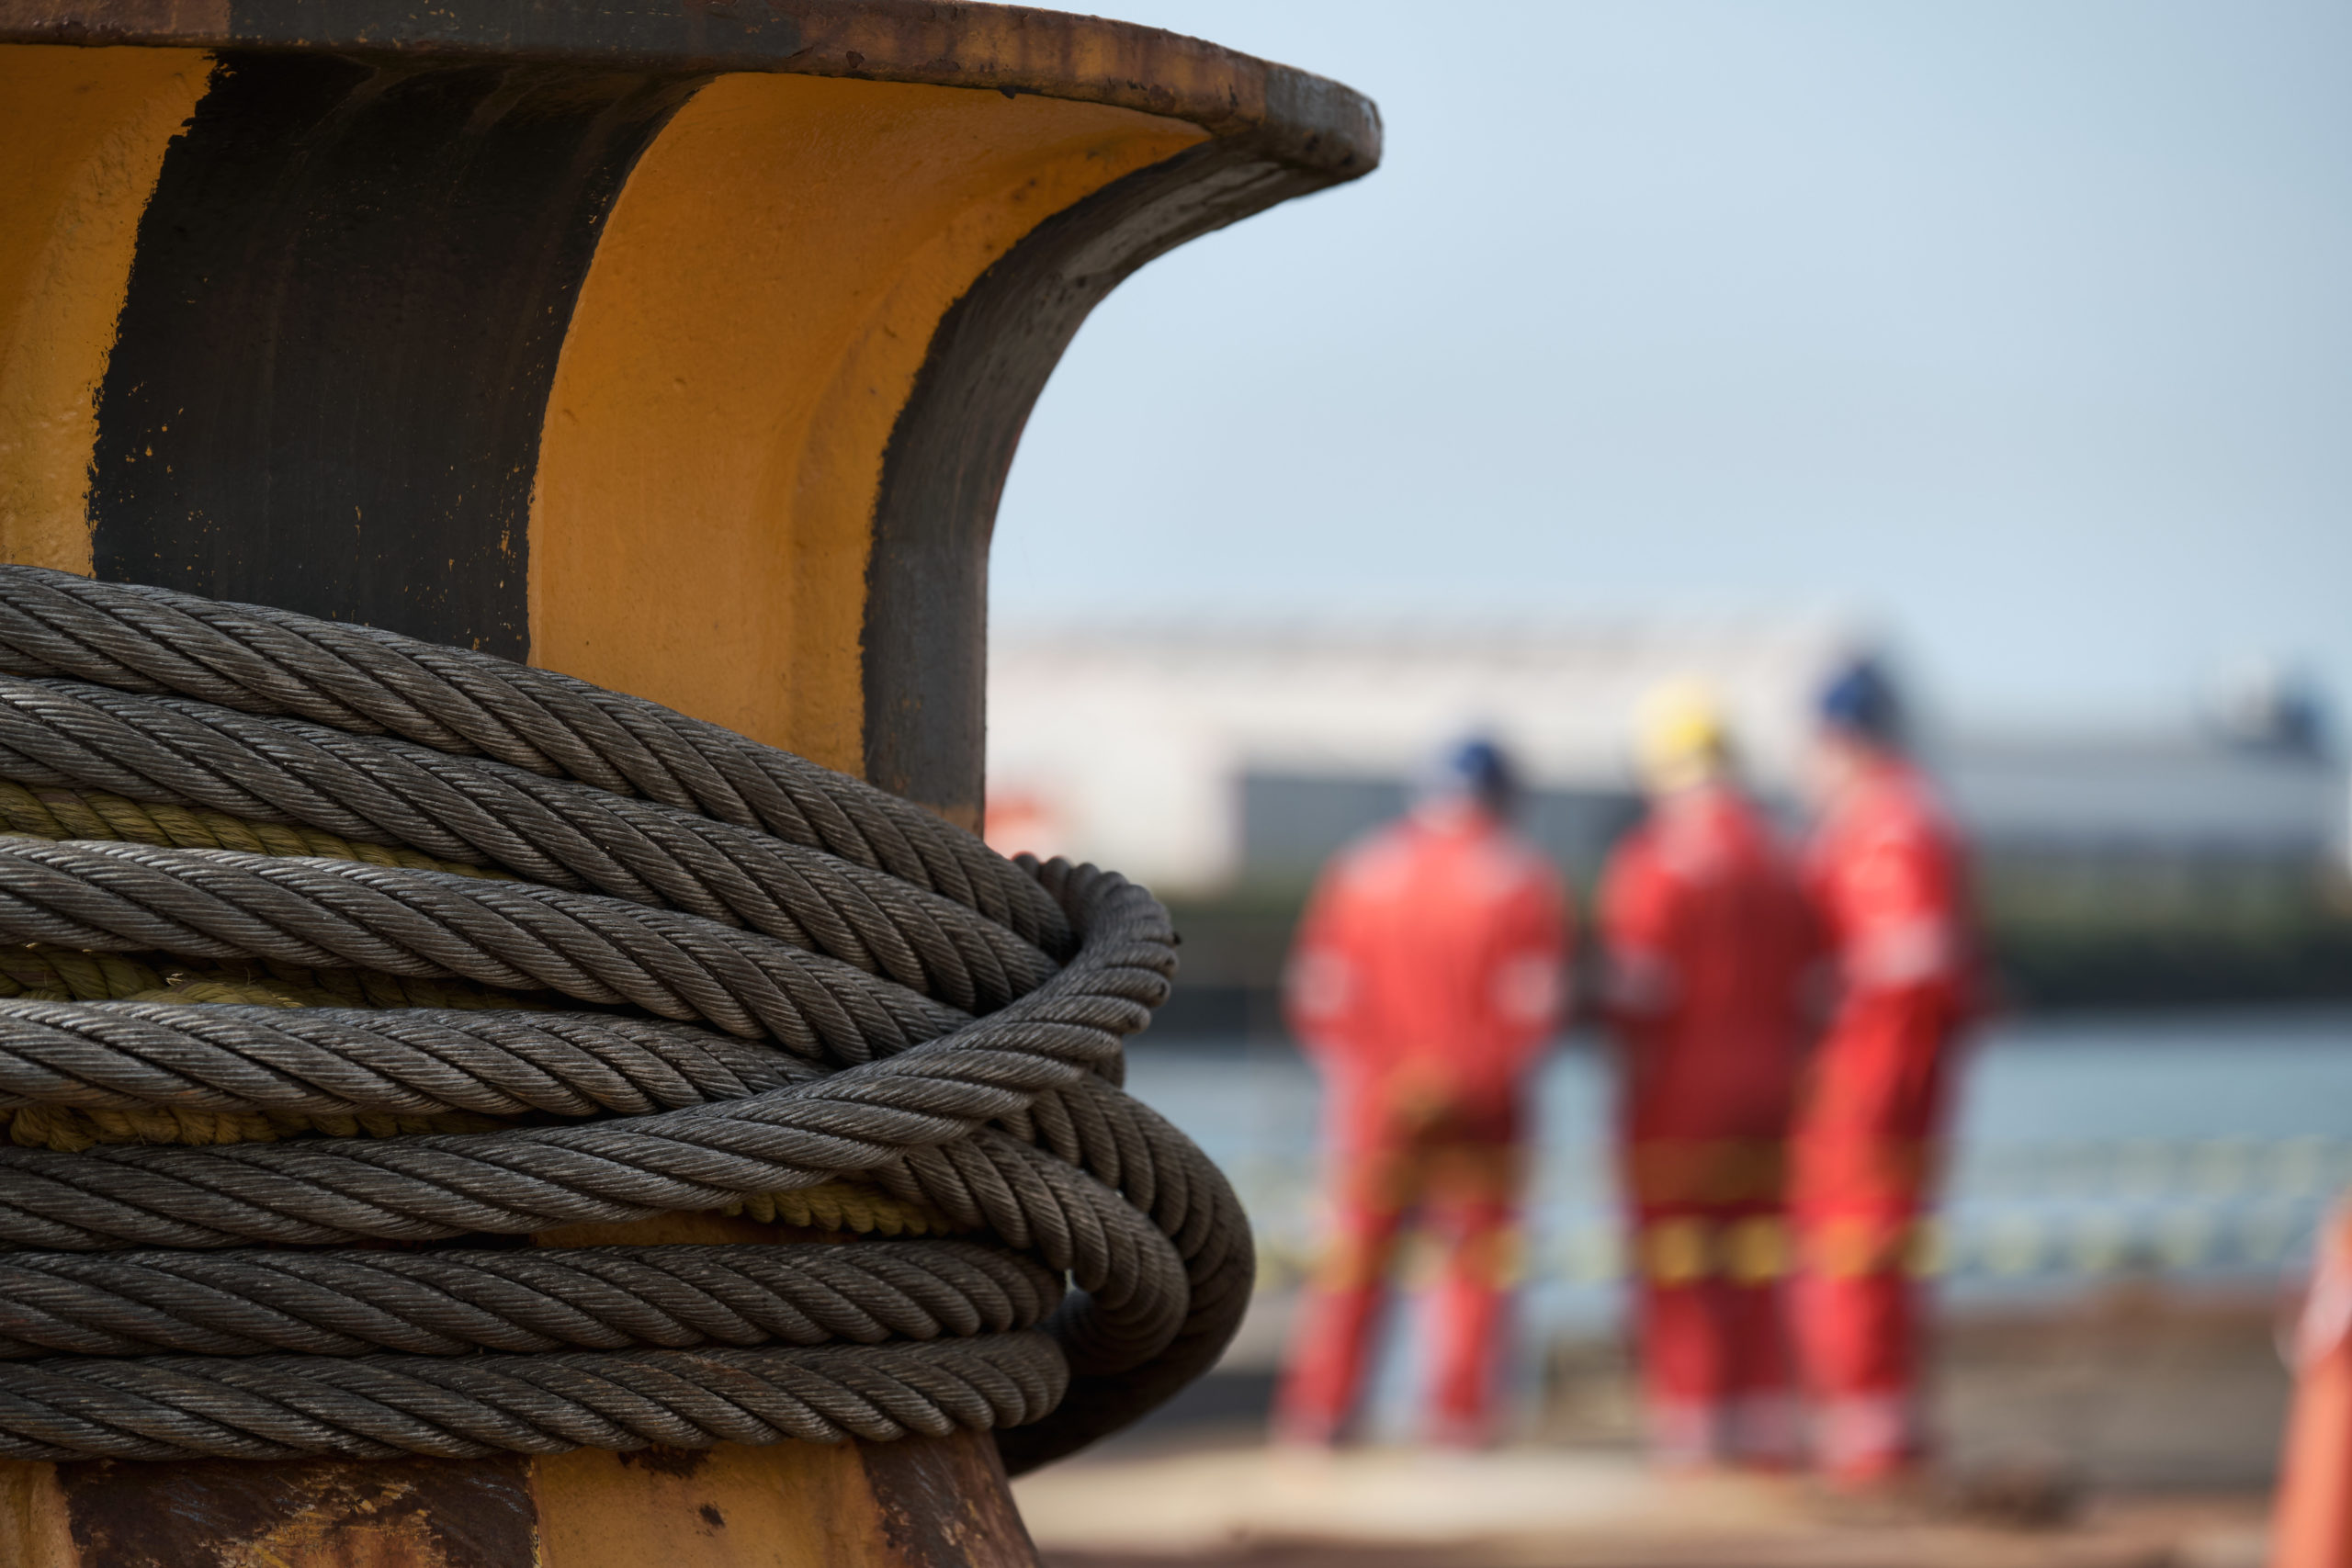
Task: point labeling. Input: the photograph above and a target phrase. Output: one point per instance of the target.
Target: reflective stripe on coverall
(1888, 878)
(1428, 974)
(1710, 947)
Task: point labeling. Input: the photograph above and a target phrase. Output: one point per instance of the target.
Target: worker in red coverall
(1888, 878)
(1711, 966)
(1429, 974)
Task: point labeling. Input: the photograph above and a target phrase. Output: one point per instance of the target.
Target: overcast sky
(2022, 331)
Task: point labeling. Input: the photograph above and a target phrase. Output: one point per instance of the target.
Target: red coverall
(1712, 949)
(2310, 1520)
(1429, 972)
(1888, 877)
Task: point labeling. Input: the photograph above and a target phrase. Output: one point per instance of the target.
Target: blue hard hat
(1477, 769)
(1861, 701)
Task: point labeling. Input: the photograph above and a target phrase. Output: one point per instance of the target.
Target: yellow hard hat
(1683, 738)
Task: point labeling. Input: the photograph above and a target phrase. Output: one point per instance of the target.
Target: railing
(2050, 1213)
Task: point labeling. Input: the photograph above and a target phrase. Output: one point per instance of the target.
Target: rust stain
(157, 19)
(792, 1506)
(1016, 51)
(944, 1502)
(412, 1512)
(679, 1462)
(33, 1517)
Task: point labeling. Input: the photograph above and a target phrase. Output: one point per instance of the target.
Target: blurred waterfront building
(1196, 759)
(2190, 798)
(1202, 760)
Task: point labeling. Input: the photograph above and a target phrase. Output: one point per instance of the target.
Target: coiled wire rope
(330, 945)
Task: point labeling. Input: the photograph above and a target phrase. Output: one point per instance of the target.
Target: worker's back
(1432, 952)
(1427, 977)
(1711, 948)
(1889, 875)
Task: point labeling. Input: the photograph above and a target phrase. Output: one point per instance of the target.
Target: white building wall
(1128, 748)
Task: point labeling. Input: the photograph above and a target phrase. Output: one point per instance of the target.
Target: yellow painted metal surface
(760, 303)
(764, 294)
(754, 318)
(796, 1507)
(82, 139)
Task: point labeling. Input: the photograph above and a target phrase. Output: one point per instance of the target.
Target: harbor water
(2195, 1149)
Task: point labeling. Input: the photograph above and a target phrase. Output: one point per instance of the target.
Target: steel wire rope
(678, 972)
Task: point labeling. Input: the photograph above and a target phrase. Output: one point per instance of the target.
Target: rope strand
(563, 956)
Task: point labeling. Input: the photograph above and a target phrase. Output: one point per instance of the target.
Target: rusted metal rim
(1296, 118)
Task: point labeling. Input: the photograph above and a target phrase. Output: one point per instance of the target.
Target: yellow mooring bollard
(679, 346)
